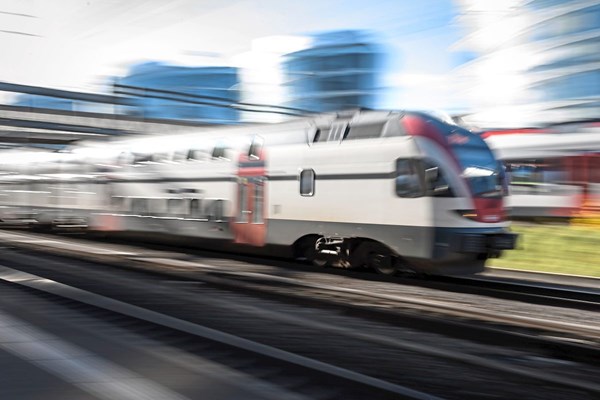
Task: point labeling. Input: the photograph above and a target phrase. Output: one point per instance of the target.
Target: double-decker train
(387, 190)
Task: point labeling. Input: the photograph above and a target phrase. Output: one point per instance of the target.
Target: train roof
(297, 130)
(288, 132)
(543, 145)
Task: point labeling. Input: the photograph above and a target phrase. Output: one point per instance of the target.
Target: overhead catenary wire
(214, 101)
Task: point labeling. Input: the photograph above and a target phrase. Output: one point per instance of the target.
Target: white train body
(389, 190)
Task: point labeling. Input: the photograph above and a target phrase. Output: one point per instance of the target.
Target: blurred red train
(554, 172)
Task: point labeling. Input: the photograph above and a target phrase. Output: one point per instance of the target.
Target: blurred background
(519, 63)
(525, 73)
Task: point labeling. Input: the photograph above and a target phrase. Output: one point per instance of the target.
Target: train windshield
(479, 166)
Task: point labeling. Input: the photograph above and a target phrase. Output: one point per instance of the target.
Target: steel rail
(59, 289)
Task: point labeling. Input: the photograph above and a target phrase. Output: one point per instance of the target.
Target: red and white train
(554, 172)
(389, 190)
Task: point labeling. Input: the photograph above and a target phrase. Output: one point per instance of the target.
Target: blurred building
(339, 70)
(64, 104)
(538, 61)
(36, 101)
(163, 91)
(263, 87)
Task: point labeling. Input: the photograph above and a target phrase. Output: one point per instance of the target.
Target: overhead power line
(214, 101)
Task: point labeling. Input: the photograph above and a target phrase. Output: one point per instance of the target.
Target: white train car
(47, 189)
(390, 190)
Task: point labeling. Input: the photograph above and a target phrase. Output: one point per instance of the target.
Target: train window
(117, 202)
(174, 206)
(393, 128)
(346, 132)
(160, 157)
(255, 148)
(220, 152)
(536, 171)
(365, 131)
(436, 182)
(317, 137)
(139, 206)
(258, 203)
(195, 208)
(141, 159)
(243, 203)
(125, 158)
(179, 156)
(307, 182)
(337, 132)
(197, 155)
(324, 135)
(408, 181)
(524, 172)
(217, 211)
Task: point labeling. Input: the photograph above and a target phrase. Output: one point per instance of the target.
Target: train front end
(467, 187)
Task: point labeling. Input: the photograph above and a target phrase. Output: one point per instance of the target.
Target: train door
(249, 224)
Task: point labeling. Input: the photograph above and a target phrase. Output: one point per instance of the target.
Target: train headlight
(469, 214)
(484, 216)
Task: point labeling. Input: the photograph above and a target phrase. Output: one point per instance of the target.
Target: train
(554, 172)
(389, 190)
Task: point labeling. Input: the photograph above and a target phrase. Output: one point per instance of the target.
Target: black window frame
(196, 155)
(440, 181)
(220, 152)
(217, 211)
(357, 132)
(255, 148)
(416, 178)
(242, 212)
(312, 178)
(259, 203)
(195, 208)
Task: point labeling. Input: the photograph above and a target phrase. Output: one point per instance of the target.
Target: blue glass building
(65, 104)
(567, 33)
(36, 101)
(340, 70)
(164, 91)
(542, 55)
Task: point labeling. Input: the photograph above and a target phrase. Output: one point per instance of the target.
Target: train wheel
(383, 263)
(320, 262)
(313, 256)
(318, 258)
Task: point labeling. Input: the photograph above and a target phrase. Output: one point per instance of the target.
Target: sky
(78, 44)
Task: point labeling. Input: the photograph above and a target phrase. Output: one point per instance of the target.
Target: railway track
(252, 282)
(560, 295)
(226, 273)
(538, 288)
(169, 260)
(573, 341)
(308, 377)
